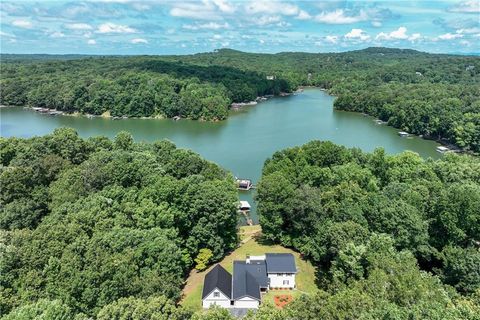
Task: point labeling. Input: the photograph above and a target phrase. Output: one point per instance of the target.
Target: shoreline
(445, 143)
(239, 106)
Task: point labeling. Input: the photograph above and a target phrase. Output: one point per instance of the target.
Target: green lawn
(305, 278)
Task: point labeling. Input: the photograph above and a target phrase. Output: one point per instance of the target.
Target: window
(216, 294)
(286, 282)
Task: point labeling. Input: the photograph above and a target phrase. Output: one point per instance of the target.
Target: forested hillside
(434, 95)
(392, 235)
(91, 225)
(101, 229)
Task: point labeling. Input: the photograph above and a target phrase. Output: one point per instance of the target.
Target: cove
(242, 143)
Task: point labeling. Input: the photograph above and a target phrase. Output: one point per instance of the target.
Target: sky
(129, 27)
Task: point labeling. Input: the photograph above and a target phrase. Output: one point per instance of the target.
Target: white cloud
(376, 24)
(339, 16)
(224, 6)
(138, 40)
(205, 10)
(468, 30)
(265, 20)
(303, 15)
(272, 7)
(206, 26)
(450, 36)
(91, 42)
(78, 26)
(7, 35)
(399, 34)
(20, 23)
(357, 34)
(217, 36)
(470, 6)
(110, 27)
(415, 36)
(331, 39)
(57, 34)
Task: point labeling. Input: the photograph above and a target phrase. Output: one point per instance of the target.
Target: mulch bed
(282, 300)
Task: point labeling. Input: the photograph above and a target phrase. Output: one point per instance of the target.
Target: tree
(203, 258)
(154, 308)
(123, 141)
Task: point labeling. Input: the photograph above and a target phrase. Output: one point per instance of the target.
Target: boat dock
(244, 184)
(244, 208)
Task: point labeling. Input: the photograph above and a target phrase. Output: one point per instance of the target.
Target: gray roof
(248, 278)
(280, 263)
(217, 278)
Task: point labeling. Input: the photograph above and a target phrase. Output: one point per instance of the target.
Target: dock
(442, 149)
(244, 208)
(244, 184)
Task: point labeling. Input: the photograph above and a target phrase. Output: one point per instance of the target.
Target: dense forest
(394, 236)
(88, 226)
(108, 229)
(437, 96)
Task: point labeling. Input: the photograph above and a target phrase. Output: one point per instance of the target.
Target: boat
(403, 134)
(442, 149)
(378, 121)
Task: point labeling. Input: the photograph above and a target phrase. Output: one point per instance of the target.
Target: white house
(251, 278)
(281, 270)
(217, 288)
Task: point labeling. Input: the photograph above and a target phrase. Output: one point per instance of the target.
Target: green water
(242, 143)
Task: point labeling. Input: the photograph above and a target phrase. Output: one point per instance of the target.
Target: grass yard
(249, 245)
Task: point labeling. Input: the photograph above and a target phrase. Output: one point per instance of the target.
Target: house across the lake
(251, 278)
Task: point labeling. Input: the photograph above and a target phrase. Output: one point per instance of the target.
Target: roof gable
(217, 278)
(244, 282)
(280, 263)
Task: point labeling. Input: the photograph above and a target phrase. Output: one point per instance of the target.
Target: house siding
(221, 301)
(277, 280)
(247, 302)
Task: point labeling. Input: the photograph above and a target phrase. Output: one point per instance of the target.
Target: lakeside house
(251, 279)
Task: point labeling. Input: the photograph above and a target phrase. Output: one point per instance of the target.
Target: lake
(242, 143)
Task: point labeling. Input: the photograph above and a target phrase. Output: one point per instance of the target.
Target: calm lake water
(242, 143)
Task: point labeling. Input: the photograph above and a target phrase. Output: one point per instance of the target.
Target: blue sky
(179, 27)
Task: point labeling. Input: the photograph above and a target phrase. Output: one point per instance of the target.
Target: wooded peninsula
(109, 229)
(433, 95)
